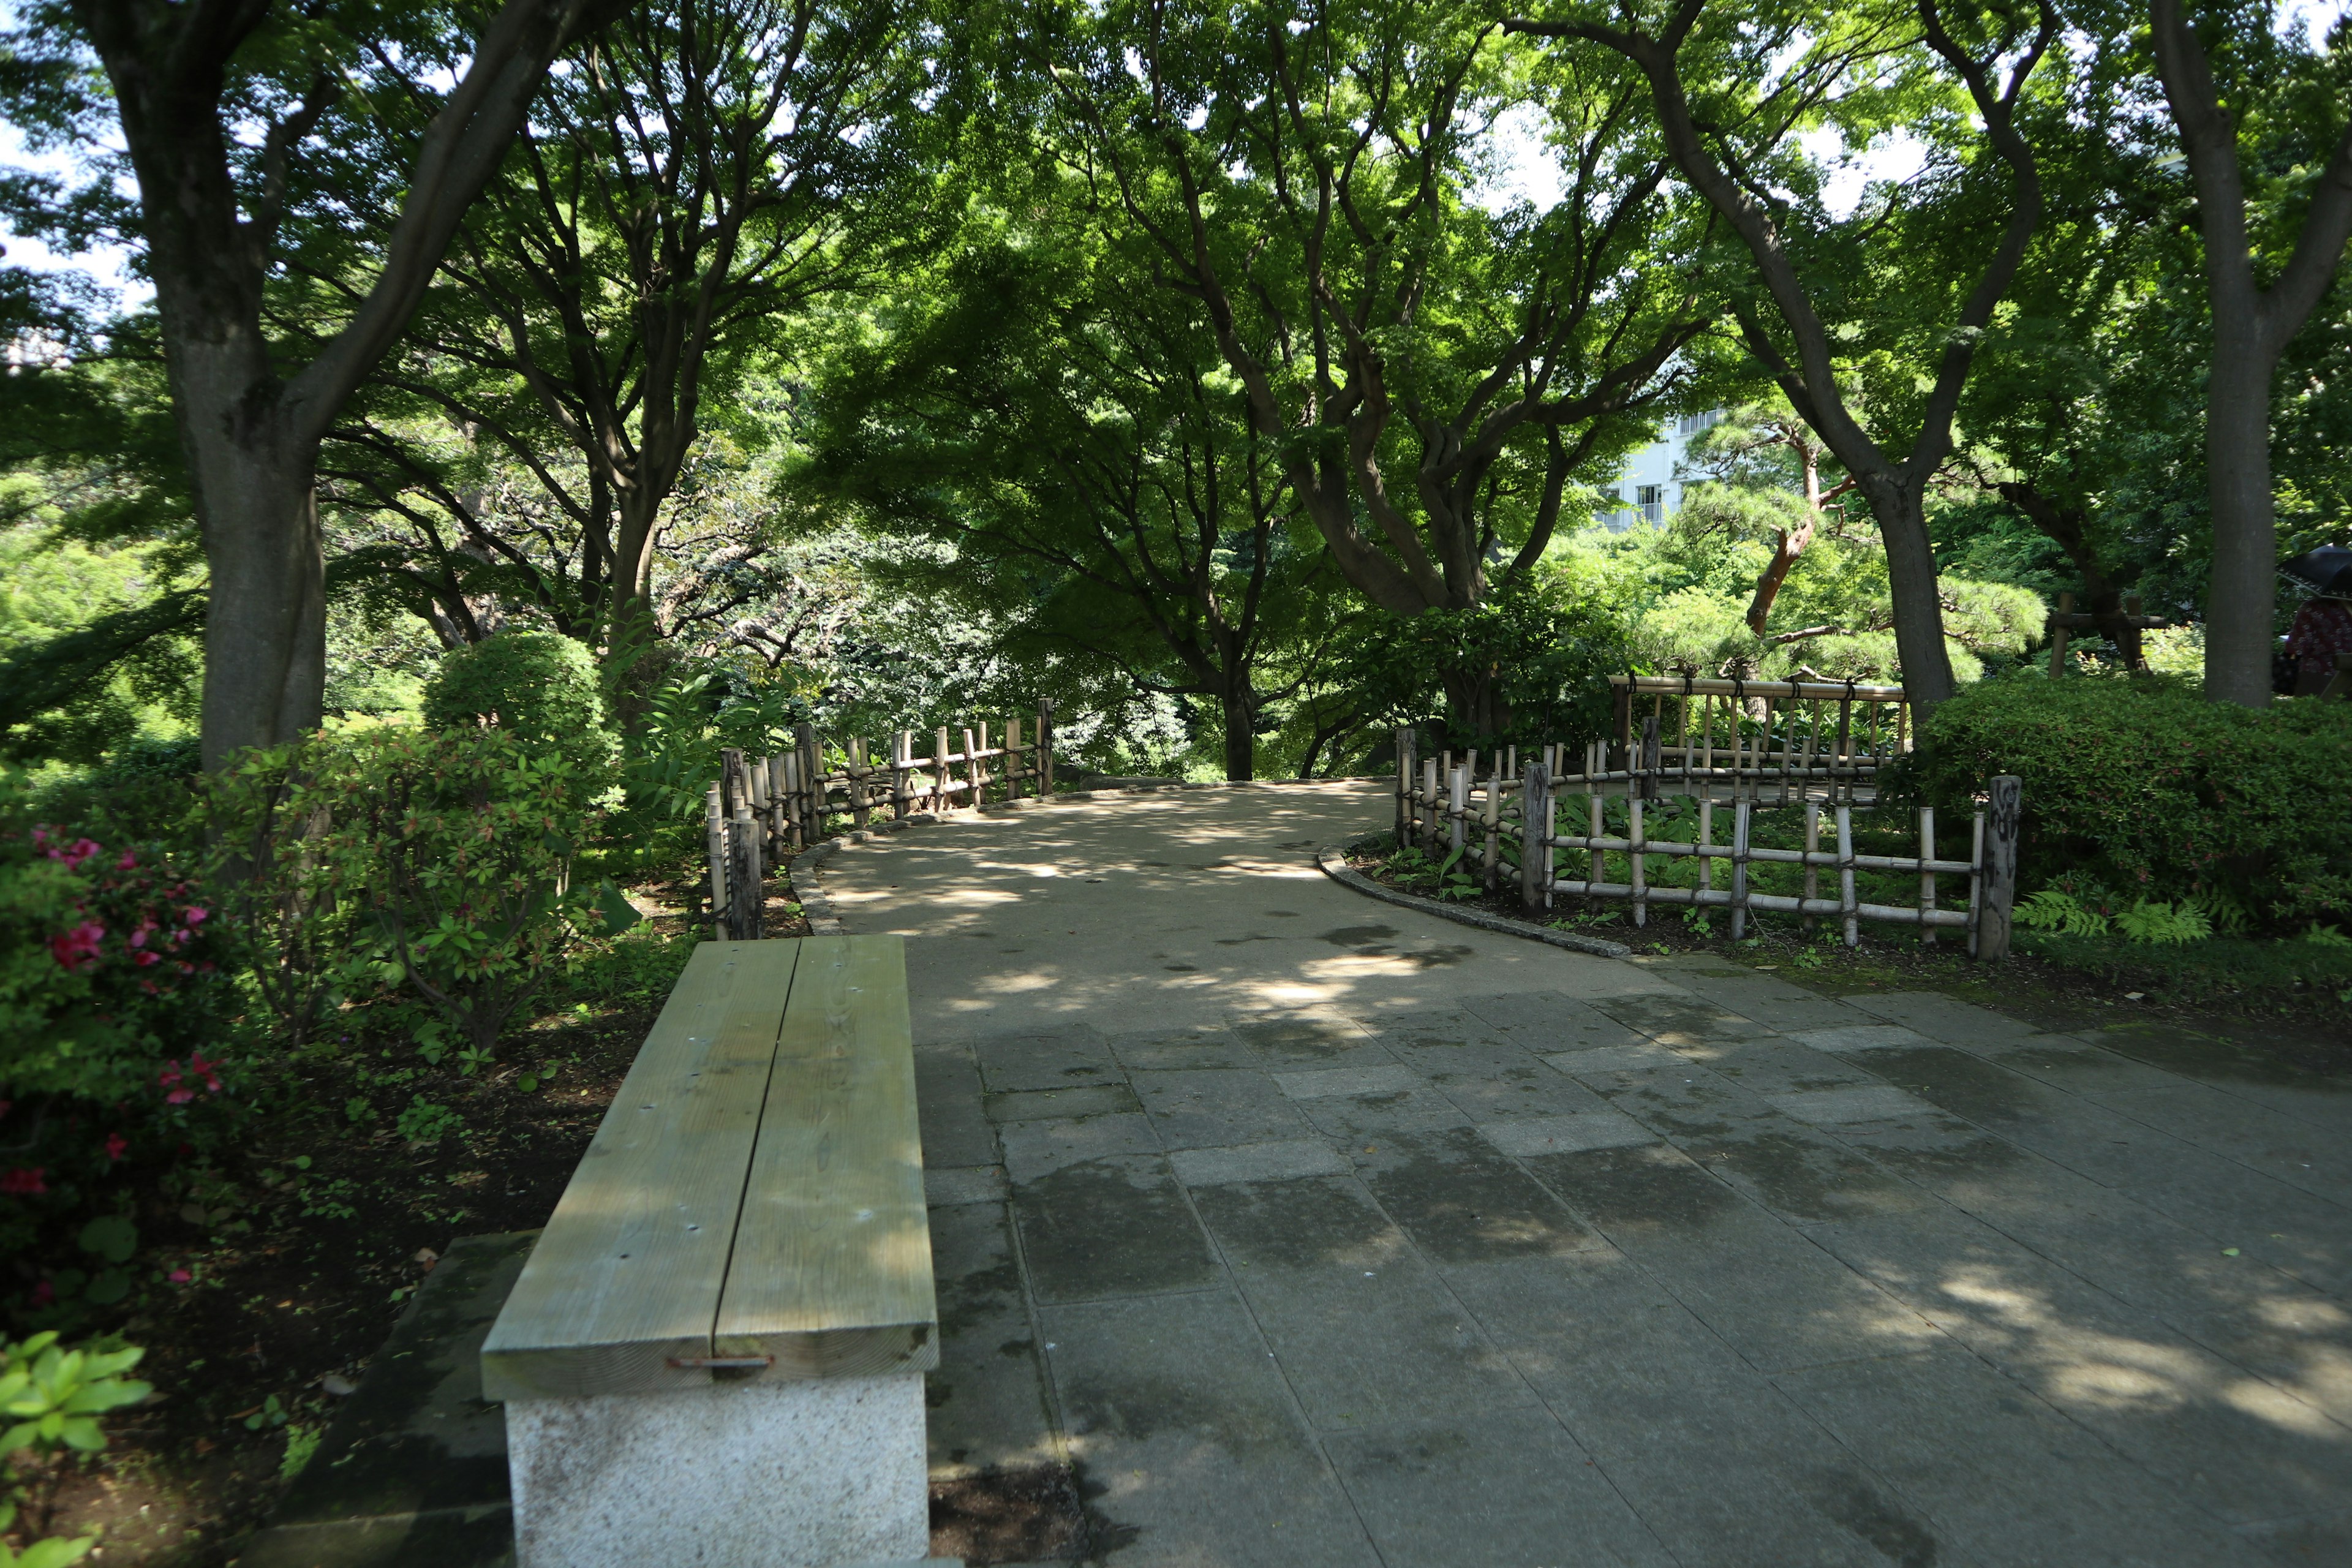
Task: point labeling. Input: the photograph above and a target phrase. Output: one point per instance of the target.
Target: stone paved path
(1316, 1231)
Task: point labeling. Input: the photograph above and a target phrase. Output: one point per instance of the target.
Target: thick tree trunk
(1918, 606)
(2241, 595)
(632, 625)
(1241, 736)
(266, 631)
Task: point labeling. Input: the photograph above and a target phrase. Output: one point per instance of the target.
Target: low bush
(2139, 794)
(379, 857)
(538, 687)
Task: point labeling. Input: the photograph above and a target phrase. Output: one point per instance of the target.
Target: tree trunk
(2102, 598)
(1241, 735)
(266, 631)
(1911, 576)
(2241, 595)
(632, 625)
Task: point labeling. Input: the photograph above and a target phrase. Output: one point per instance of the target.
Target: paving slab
(1364, 1330)
(1198, 1048)
(947, 1107)
(1190, 1445)
(1462, 1200)
(1681, 1019)
(1527, 1485)
(1520, 1091)
(1571, 1134)
(1059, 1104)
(1971, 1451)
(2243, 1450)
(1116, 1226)
(1070, 1058)
(1217, 1106)
(1277, 1161)
(986, 1398)
(1546, 1021)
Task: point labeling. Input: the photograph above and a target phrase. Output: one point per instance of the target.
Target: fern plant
(2165, 924)
(2053, 910)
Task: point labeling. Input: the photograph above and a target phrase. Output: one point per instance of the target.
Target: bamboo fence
(761, 810)
(1810, 747)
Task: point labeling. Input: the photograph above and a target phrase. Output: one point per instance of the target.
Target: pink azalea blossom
(196, 914)
(77, 950)
(23, 1183)
(129, 859)
(180, 1277)
(115, 1146)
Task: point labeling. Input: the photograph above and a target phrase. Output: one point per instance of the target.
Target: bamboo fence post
(855, 771)
(1813, 872)
(1600, 818)
(1550, 858)
(1013, 759)
(1425, 807)
(779, 820)
(734, 782)
(813, 801)
(1926, 877)
(1535, 795)
(1706, 842)
(1638, 855)
(1976, 880)
(744, 893)
(1046, 747)
(902, 761)
(1490, 819)
(1457, 806)
(714, 826)
(940, 801)
(972, 772)
(1739, 814)
(2003, 807)
(794, 833)
(1846, 905)
(1405, 767)
(1649, 790)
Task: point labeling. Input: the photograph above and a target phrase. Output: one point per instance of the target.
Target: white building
(1648, 490)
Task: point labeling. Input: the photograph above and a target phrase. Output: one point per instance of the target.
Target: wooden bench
(716, 1353)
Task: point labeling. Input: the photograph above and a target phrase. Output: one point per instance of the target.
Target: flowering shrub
(114, 1036)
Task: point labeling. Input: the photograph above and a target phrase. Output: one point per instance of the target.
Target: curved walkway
(1316, 1231)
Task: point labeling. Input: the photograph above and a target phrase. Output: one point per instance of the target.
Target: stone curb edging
(1332, 862)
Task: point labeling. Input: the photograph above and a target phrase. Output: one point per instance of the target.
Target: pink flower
(115, 1146)
(24, 1183)
(143, 959)
(129, 859)
(77, 950)
(196, 914)
(139, 937)
(75, 854)
(179, 1277)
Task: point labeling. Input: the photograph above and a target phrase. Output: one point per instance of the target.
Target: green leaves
(51, 1395)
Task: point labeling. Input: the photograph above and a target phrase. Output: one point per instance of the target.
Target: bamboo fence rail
(761, 810)
(1506, 819)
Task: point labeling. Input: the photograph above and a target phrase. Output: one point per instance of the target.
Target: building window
(1653, 499)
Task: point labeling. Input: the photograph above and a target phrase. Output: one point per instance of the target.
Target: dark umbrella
(2327, 569)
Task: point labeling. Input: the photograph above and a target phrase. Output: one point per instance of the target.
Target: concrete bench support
(716, 1353)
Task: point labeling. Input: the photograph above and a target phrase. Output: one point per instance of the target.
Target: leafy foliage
(538, 687)
(2144, 787)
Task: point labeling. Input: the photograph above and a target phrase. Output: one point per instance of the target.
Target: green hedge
(538, 687)
(2146, 790)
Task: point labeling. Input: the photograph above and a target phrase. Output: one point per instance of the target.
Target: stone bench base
(799, 1474)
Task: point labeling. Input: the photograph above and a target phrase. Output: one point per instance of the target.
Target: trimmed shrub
(537, 686)
(2151, 792)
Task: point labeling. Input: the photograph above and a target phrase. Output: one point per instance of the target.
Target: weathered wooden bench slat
(629, 1272)
(831, 1266)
